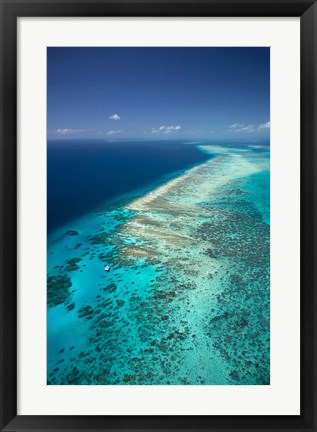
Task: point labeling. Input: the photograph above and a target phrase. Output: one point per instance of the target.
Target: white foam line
(231, 166)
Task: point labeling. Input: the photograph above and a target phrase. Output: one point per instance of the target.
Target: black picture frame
(10, 11)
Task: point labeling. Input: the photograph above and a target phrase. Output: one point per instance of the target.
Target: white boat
(107, 268)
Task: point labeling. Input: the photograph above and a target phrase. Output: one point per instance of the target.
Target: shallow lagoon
(187, 298)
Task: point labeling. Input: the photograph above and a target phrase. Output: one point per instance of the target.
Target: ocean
(83, 174)
(185, 230)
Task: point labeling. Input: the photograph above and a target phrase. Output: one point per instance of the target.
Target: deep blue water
(81, 175)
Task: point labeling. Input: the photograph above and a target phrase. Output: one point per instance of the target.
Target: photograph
(158, 216)
(158, 202)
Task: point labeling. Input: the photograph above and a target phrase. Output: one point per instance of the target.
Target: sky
(158, 93)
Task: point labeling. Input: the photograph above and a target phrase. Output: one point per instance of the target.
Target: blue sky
(158, 93)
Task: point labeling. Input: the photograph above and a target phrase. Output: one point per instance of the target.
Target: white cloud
(240, 127)
(65, 131)
(115, 117)
(166, 129)
(246, 128)
(114, 132)
(235, 126)
(265, 125)
(173, 127)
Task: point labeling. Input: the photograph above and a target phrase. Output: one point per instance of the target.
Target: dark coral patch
(71, 233)
(72, 264)
(58, 289)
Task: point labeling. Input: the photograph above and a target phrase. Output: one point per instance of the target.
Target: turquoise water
(187, 297)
